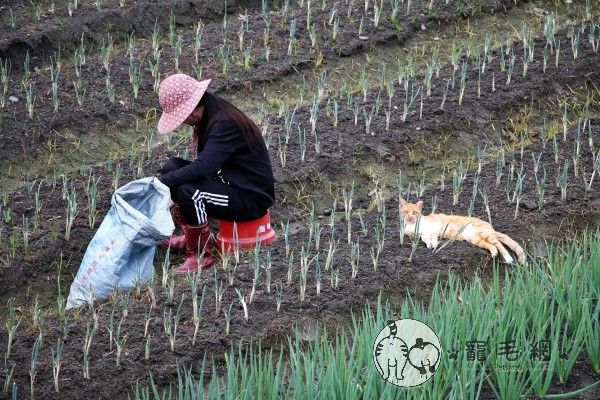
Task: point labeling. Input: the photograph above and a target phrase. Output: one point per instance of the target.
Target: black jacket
(226, 156)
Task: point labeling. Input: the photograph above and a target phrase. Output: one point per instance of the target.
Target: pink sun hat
(178, 95)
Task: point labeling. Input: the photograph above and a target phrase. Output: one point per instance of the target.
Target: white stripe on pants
(200, 198)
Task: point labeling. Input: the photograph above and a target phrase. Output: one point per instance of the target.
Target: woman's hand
(173, 164)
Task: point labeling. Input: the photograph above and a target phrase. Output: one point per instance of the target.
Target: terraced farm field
(485, 108)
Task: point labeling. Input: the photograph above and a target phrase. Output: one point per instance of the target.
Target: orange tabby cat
(470, 229)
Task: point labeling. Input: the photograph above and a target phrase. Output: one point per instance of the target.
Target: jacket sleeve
(221, 143)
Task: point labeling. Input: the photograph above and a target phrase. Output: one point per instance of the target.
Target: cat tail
(514, 246)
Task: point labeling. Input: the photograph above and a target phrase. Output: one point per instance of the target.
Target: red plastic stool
(248, 233)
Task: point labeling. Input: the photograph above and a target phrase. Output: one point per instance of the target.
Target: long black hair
(216, 108)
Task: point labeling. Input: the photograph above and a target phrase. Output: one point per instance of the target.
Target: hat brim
(169, 121)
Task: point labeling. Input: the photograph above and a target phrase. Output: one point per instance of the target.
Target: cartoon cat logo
(406, 352)
(391, 355)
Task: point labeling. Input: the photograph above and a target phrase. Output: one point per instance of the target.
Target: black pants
(210, 197)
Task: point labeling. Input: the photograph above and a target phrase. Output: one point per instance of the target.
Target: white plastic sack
(121, 253)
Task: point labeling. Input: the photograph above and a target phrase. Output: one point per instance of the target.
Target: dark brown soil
(466, 126)
(300, 184)
(22, 138)
(394, 277)
(55, 28)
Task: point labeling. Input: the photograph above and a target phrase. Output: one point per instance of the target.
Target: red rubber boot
(198, 246)
(176, 242)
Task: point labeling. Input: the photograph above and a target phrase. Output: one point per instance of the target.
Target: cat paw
(431, 242)
(508, 260)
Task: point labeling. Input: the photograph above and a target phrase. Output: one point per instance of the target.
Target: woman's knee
(203, 198)
(182, 195)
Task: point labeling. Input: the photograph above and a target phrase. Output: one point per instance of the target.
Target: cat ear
(401, 201)
(420, 204)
